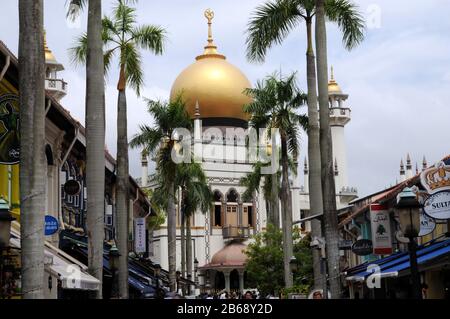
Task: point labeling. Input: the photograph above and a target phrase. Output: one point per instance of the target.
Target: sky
(398, 79)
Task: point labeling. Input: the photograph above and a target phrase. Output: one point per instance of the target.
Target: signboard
(72, 187)
(436, 178)
(363, 247)
(140, 236)
(437, 206)
(345, 244)
(381, 229)
(9, 129)
(427, 225)
(51, 225)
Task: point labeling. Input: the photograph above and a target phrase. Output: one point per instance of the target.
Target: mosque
(213, 90)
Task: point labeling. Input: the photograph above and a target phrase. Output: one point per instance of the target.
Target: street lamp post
(195, 271)
(408, 209)
(113, 262)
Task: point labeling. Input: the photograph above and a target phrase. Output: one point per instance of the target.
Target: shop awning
(69, 271)
(393, 265)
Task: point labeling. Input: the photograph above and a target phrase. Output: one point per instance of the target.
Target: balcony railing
(236, 232)
(56, 85)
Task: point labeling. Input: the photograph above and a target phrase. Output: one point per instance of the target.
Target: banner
(9, 129)
(140, 236)
(381, 229)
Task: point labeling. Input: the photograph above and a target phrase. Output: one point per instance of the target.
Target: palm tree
(252, 183)
(329, 193)
(32, 132)
(121, 35)
(95, 134)
(196, 195)
(157, 141)
(275, 101)
(271, 24)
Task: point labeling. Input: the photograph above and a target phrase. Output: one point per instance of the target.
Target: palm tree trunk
(122, 195)
(328, 185)
(172, 237)
(188, 249)
(315, 182)
(286, 212)
(269, 213)
(33, 169)
(183, 244)
(275, 205)
(95, 138)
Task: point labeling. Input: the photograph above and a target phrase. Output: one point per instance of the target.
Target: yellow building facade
(9, 174)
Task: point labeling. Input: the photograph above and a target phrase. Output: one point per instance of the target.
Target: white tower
(340, 115)
(54, 86)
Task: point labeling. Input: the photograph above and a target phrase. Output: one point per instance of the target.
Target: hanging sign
(140, 236)
(362, 247)
(436, 178)
(381, 229)
(437, 206)
(9, 129)
(72, 187)
(51, 225)
(427, 225)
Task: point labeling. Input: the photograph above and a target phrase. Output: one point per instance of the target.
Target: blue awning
(392, 265)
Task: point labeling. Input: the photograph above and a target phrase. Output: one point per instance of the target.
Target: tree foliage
(265, 262)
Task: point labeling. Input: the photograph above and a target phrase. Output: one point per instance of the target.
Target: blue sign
(51, 225)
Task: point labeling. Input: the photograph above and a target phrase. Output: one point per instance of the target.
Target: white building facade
(213, 91)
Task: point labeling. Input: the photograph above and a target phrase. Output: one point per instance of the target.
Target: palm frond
(270, 24)
(74, 7)
(348, 19)
(150, 37)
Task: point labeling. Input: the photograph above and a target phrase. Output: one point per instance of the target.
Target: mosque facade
(213, 91)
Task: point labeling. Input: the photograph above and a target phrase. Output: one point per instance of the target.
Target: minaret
(198, 135)
(306, 172)
(409, 169)
(402, 172)
(340, 115)
(424, 163)
(54, 86)
(144, 161)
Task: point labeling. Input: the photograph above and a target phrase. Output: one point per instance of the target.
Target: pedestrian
(248, 295)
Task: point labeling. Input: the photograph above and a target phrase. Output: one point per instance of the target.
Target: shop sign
(363, 247)
(427, 225)
(381, 229)
(51, 225)
(72, 187)
(436, 178)
(437, 206)
(9, 129)
(140, 236)
(345, 244)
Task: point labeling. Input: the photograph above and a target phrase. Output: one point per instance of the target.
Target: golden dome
(215, 84)
(333, 87)
(50, 59)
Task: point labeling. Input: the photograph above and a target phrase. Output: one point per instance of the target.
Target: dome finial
(210, 48)
(332, 73)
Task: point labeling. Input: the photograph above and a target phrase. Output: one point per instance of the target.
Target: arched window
(217, 216)
(232, 196)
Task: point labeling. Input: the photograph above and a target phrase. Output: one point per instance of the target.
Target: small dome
(216, 84)
(50, 58)
(231, 255)
(333, 86)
